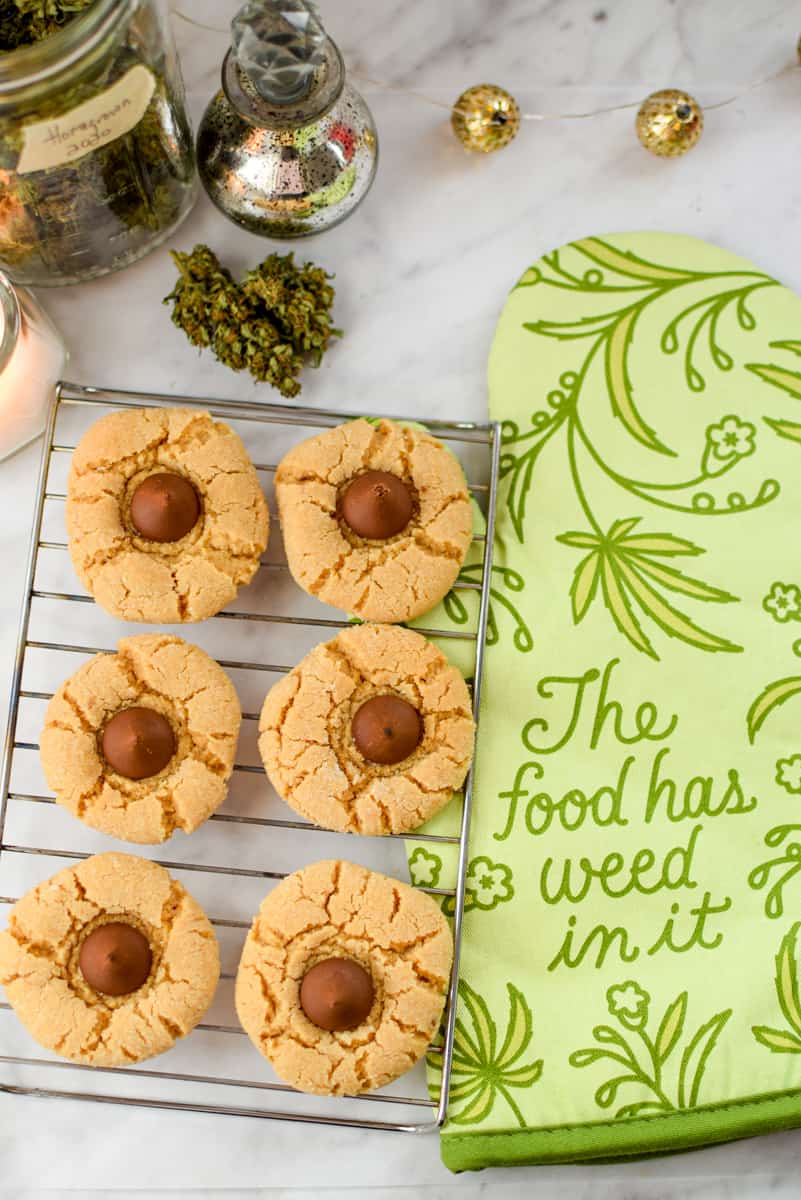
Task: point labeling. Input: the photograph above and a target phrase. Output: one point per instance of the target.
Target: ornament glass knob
(279, 46)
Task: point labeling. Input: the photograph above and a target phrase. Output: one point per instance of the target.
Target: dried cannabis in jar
(96, 157)
(23, 22)
(272, 322)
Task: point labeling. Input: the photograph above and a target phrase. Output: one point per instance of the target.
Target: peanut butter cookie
(165, 515)
(343, 978)
(371, 733)
(109, 962)
(140, 743)
(376, 518)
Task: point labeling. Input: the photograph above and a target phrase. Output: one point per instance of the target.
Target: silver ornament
(288, 147)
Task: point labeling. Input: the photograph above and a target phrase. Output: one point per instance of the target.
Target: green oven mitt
(632, 943)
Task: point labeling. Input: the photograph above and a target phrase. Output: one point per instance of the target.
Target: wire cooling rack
(252, 841)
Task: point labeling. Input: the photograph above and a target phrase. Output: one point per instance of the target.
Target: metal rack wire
(34, 831)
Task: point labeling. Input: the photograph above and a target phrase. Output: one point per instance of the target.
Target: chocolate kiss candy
(138, 742)
(386, 729)
(337, 994)
(377, 505)
(164, 507)
(115, 959)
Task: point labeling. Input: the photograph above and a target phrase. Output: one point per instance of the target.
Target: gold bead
(485, 118)
(669, 122)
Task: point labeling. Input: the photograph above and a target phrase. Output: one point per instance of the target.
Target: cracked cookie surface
(309, 751)
(174, 678)
(43, 982)
(394, 579)
(138, 579)
(337, 909)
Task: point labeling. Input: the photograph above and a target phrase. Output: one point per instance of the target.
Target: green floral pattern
(783, 602)
(487, 1066)
(637, 590)
(504, 581)
(646, 1059)
(775, 873)
(780, 870)
(788, 774)
(730, 439)
(487, 884)
(425, 868)
(629, 1003)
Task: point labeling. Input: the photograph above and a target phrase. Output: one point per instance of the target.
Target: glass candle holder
(32, 357)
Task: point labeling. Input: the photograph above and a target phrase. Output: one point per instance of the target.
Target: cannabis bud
(269, 324)
(23, 22)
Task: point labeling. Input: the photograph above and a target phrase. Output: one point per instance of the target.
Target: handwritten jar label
(65, 138)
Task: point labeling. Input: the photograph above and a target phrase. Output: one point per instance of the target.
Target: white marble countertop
(422, 270)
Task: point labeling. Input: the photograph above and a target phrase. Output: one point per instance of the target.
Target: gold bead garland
(669, 123)
(485, 118)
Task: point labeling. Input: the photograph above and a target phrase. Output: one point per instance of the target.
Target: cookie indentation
(376, 518)
(313, 720)
(330, 912)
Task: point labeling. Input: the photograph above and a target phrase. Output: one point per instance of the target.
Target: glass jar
(96, 158)
(31, 361)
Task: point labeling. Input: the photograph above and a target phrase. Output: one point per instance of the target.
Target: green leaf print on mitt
(642, 1059)
(627, 286)
(787, 381)
(785, 1041)
(627, 567)
(482, 1071)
